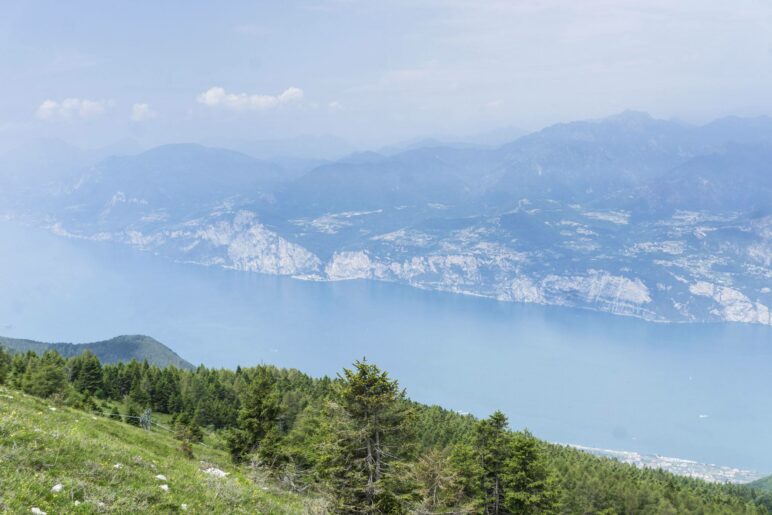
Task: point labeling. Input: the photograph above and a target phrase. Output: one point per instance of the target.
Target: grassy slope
(40, 447)
(121, 348)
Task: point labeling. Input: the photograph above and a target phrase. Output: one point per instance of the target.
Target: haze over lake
(693, 391)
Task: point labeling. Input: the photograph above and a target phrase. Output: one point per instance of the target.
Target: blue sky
(370, 72)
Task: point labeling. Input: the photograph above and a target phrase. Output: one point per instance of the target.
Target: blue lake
(701, 392)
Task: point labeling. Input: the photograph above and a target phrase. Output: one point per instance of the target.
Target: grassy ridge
(42, 445)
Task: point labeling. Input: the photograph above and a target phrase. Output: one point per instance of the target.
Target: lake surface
(702, 392)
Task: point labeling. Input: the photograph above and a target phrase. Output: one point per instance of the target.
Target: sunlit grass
(108, 466)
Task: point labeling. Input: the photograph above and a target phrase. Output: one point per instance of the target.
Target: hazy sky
(371, 72)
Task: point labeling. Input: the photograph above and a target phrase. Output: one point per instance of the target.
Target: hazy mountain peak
(628, 116)
(368, 156)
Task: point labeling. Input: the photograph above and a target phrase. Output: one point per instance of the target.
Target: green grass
(42, 445)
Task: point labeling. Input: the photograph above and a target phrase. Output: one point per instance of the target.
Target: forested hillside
(763, 484)
(121, 348)
(354, 443)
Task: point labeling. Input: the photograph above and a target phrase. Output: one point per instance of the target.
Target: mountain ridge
(628, 214)
(121, 348)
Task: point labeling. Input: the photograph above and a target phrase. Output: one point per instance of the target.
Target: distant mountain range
(628, 214)
(119, 349)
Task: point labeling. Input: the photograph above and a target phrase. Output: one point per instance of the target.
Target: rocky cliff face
(690, 267)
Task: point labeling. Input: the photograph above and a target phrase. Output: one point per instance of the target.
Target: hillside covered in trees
(763, 484)
(356, 442)
(120, 348)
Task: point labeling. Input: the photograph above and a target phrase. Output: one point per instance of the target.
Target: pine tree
(139, 392)
(492, 441)
(256, 418)
(131, 415)
(185, 436)
(368, 439)
(502, 472)
(45, 376)
(18, 370)
(531, 485)
(5, 364)
(86, 373)
(465, 460)
(439, 482)
(185, 423)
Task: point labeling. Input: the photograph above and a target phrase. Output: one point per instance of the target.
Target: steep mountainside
(737, 179)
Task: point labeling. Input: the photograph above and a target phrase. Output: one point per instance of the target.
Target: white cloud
(218, 97)
(72, 108)
(142, 112)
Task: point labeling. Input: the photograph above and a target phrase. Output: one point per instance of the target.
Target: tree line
(359, 440)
